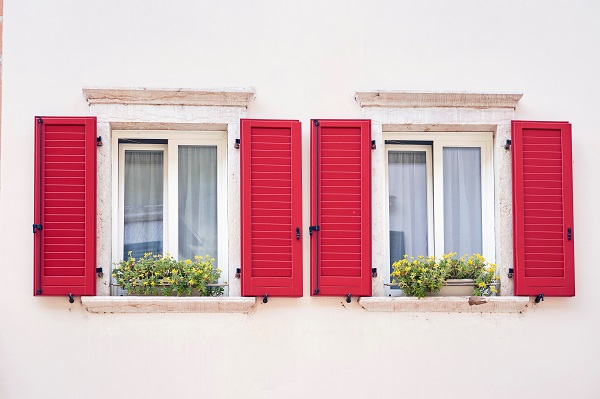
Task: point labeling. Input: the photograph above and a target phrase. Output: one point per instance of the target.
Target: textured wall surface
(305, 60)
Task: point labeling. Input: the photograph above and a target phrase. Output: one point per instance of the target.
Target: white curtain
(407, 203)
(143, 191)
(197, 201)
(462, 200)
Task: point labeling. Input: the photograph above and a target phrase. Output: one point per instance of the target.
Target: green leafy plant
(158, 275)
(477, 268)
(420, 276)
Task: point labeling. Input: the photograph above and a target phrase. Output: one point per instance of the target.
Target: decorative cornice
(406, 99)
(231, 97)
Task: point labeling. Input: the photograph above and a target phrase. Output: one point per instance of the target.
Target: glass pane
(407, 174)
(144, 172)
(197, 201)
(462, 200)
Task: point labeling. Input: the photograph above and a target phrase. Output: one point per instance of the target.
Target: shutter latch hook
(539, 298)
(71, 299)
(349, 298)
(266, 298)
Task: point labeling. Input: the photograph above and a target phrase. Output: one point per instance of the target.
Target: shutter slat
(271, 208)
(543, 208)
(341, 207)
(65, 205)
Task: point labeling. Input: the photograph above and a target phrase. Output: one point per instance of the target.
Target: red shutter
(543, 208)
(271, 207)
(341, 207)
(65, 206)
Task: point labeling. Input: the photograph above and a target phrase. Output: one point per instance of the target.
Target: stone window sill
(450, 304)
(157, 304)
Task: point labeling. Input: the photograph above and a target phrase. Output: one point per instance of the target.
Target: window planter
(459, 287)
(455, 287)
(163, 290)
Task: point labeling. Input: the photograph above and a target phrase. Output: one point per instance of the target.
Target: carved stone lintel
(230, 97)
(406, 99)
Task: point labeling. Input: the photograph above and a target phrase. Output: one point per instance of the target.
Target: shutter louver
(543, 208)
(341, 207)
(65, 206)
(271, 207)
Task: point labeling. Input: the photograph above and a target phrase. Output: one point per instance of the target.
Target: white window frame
(171, 192)
(435, 187)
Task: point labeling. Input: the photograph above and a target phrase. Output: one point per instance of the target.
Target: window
(170, 193)
(439, 195)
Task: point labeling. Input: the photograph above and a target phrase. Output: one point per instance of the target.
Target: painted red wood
(65, 206)
(543, 208)
(341, 207)
(271, 207)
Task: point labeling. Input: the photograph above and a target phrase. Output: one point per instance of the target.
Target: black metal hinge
(237, 143)
(313, 228)
(507, 145)
(373, 145)
(37, 227)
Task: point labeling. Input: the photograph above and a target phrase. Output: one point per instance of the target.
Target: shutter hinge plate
(37, 227)
(313, 228)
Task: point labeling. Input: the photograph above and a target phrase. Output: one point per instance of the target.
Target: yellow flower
(152, 283)
(174, 271)
(482, 284)
(493, 289)
(188, 261)
(407, 268)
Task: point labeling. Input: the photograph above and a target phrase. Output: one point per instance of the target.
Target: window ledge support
(154, 304)
(451, 304)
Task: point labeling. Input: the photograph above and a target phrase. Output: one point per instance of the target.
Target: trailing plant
(164, 275)
(420, 275)
(474, 267)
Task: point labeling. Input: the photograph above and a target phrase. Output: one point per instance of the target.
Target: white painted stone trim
(451, 304)
(401, 111)
(230, 97)
(141, 304)
(408, 99)
(166, 114)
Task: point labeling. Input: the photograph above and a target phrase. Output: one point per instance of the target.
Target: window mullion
(171, 200)
(438, 198)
